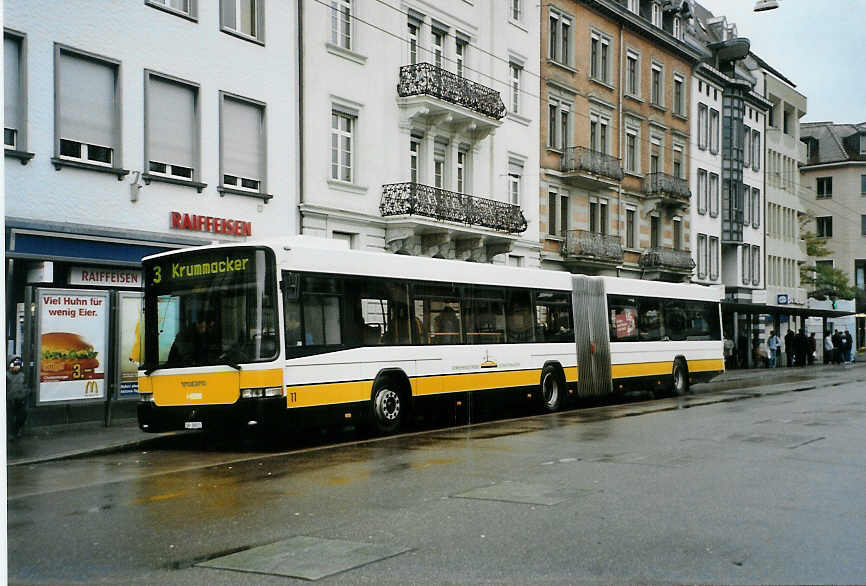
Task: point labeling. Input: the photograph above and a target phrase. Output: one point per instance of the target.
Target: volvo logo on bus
(193, 383)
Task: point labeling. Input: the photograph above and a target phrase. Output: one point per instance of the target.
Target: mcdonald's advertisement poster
(72, 347)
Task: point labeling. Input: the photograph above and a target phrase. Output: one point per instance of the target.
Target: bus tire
(680, 378)
(388, 405)
(552, 388)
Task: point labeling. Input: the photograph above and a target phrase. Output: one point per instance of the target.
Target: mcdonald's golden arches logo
(91, 389)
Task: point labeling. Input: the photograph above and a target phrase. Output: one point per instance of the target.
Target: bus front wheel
(388, 406)
(680, 382)
(552, 388)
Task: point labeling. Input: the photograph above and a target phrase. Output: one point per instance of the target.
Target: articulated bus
(249, 334)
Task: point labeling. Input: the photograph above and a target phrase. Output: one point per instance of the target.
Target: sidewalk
(56, 442)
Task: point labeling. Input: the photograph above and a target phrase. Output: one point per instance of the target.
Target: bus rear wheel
(552, 388)
(388, 406)
(680, 382)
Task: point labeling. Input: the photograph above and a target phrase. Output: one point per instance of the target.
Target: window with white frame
(703, 129)
(702, 191)
(557, 212)
(630, 227)
(560, 37)
(172, 127)
(414, 159)
(599, 68)
(559, 123)
(516, 12)
(243, 17)
(633, 6)
(747, 205)
(679, 95)
(747, 264)
(460, 57)
(702, 256)
(756, 207)
(657, 84)
(14, 93)
(713, 186)
(242, 138)
(747, 146)
(515, 260)
(440, 164)
(183, 7)
(342, 146)
(598, 133)
(679, 167)
(464, 162)
(88, 128)
(714, 257)
(515, 178)
(756, 150)
(714, 131)
(677, 28)
(413, 42)
(756, 265)
(632, 149)
(516, 74)
(656, 14)
(655, 231)
(678, 233)
(632, 73)
(599, 217)
(656, 155)
(438, 47)
(341, 23)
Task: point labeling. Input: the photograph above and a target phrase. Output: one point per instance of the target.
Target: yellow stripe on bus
(662, 368)
(211, 388)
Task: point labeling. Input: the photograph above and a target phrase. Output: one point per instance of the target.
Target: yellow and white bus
(247, 334)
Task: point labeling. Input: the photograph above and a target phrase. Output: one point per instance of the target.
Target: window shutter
(11, 91)
(241, 139)
(171, 123)
(86, 94)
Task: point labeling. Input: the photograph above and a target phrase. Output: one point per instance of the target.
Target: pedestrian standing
(801, 346)
(728, 347)
(773, 343)
(846, 346)
(837, 347)
(828, 348)
(813, 348)
(789, 347)
(17, 397)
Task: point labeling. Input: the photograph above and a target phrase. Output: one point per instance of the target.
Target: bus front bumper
(259, 412)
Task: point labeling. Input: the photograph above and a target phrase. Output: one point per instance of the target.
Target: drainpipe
(299, 88)
(621, 137)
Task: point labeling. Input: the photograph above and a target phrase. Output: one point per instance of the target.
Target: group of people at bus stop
(797, 348)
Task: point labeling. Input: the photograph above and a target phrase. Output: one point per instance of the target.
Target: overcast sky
(820, 45)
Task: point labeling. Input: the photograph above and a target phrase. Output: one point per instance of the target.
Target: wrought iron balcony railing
(423, 200)
(582, 159)
(426, 78)
(592, 246)
(667, 258)
(666, 185)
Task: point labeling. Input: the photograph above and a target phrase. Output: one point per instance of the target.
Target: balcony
(590, 169)
(666, 264)
(400, 199)
(671, 191)
(590, 246)
(441, 98)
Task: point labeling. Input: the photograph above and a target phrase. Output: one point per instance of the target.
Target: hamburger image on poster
(73, 337)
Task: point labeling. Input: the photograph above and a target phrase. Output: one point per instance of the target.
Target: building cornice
(805, 168)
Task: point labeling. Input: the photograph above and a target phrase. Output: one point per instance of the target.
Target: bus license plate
(192, 425)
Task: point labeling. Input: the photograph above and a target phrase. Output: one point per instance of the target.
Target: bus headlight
(145, 397)
(259, 392)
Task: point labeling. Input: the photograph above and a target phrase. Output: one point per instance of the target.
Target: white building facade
(136, 127)
(420, 131)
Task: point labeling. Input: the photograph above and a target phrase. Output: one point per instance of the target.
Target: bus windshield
(210, 307)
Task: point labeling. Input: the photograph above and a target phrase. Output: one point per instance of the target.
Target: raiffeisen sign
(198, 223)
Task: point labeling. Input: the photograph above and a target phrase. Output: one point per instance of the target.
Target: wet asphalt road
(755, 489)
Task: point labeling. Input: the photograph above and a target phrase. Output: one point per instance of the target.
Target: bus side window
(650, 322)
(294, 335)
(553, 317)
(623, 318)
(437, 308)
(484, 315)
(518, 316)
